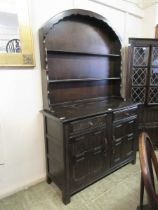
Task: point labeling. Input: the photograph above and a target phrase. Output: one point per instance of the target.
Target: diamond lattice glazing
(140, 57)
(139, 76)
(153, 95)
(138, 94)
(154, 60)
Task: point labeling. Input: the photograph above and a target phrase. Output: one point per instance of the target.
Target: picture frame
(25, 57)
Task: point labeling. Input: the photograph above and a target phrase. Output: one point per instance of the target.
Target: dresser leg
(49, 180)
(66, 198)
(134, 161)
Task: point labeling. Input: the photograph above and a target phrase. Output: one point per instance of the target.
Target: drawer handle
(82, 154)
(80, 159)
(127, 114)
(130, 139)
(106, 141)
(91, 123)
(97, 152)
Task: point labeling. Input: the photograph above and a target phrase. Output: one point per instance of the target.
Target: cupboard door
(89, 158)
(123, 141)
(129, 139)
(128, 146)
(153, 77)
(79, 166)
(99, 158)
(116, 156)
(139, 73)
(143, 71)
(118, 133)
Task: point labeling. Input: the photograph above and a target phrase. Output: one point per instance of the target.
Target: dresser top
(86, 109)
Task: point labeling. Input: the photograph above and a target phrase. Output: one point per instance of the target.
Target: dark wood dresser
(90, 131)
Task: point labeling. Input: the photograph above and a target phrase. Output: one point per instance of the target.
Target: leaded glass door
(144, 73)
(153, 82)
(139, 73)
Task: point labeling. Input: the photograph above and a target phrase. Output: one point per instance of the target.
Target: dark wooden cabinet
(90, 130)
(142, 82)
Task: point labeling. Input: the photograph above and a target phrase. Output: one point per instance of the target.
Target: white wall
(149, 21)
(21, 125)
(157, 13)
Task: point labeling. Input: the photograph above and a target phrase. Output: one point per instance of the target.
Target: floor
(118, 191)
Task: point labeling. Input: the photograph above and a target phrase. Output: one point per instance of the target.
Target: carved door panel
(116, 155)
(129, 141)
(79, 166)
(153, 77)
(89, 157)
(128, 147)
(123, 141)
(118, 134)
(99, 158)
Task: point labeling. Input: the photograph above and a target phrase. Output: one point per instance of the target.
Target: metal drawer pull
(130, 138)
(97, 152)
(118, 126)
(131, 122)
(80, 155)
(127, 114)
(90, 123)
(80, 159)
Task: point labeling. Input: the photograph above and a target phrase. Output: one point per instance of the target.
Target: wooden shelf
(83, 80)
(51, 52)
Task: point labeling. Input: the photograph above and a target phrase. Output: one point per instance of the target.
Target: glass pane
(138, 94)
(140, 56)
(153, 95)
(154, 57)
(154, 76)
(139, 76)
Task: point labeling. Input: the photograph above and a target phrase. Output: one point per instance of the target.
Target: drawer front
(119, 115)
(88, 124)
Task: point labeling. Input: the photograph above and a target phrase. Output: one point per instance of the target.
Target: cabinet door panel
(128, 146)
(89, 157)
(118, 131)
(99, 160)
(116, 156)
(123, 141)
(130, 127)
(98, 139)
(80, 169)
(142, 81)
(79, 144)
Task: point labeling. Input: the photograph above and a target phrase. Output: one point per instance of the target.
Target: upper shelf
(83, 80)
(80, 53)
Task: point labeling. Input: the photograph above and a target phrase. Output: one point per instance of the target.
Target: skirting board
(22, 187)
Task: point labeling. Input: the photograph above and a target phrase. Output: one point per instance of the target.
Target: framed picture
(16, 42)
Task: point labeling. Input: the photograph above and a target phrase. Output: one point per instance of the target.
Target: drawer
(121, 114)
(86, 124)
